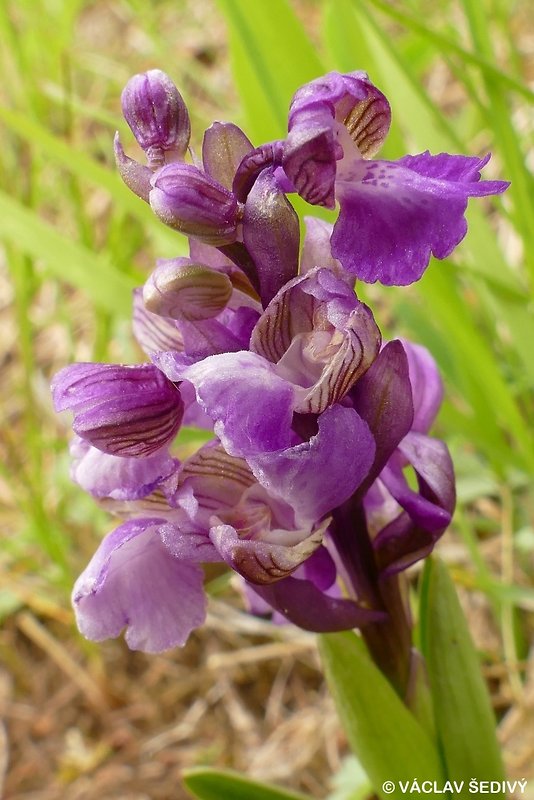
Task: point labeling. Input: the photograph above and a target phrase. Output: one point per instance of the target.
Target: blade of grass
(445, 44)
(83, 167)
(271, 57)
(65, 259)
(522, 181)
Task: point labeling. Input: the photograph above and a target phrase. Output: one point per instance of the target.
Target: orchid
(393, 214)
(302, 490)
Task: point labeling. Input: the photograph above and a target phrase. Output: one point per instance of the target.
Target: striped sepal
(368, 123)
(359, 348)
(216, 479)
(291, 312)
(154, 333)
(263, 562)
(181, 289)
(120, 410)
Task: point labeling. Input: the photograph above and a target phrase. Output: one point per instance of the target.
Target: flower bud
(157, 115)
(181, 289)
(191, 202)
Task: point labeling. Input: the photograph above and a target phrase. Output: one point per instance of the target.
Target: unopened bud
(181, 289)
(155, 111)
(188, 200)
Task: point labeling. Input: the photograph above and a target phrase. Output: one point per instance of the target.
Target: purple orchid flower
(302, 492)
(121, 410)
(393, 214)
(145, 576)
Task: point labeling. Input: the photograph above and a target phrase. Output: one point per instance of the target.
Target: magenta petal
(133, 582)
(433, 465)
(383, 398)
(395, 215)
(119, 478)
(260, 561)
(223, 148)
(316, 476)
(331, 117)
(190, 201)
(157, 115)
(154, 333)
(251, 406)
(271, 235)
(316, 251)
(302, 603)
(413, 534)
(427, 386)
(127, 411)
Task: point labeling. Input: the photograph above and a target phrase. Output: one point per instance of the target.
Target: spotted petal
(395, 214)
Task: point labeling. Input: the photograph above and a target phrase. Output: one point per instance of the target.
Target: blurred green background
(75, 242)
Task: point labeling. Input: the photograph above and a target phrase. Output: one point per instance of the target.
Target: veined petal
(262, 562)
(320, 336)
(154, 334)
(180, 289)
(395, 214)
(133, 582)
(190, 201)
(211, 481)
(329, 118)
(157, 115)
(350, 99)
(127, 411)
(104, 475)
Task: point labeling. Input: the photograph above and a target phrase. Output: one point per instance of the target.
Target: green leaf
(464, 718)
(389, 742)
(212, 784)
(64, 258)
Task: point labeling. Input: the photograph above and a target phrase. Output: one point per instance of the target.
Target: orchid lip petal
(133, 582)
(395, 214)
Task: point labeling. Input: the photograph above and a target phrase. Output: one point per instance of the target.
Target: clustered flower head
(315, 421)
